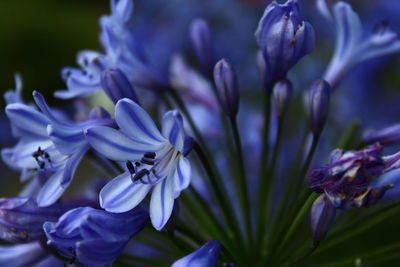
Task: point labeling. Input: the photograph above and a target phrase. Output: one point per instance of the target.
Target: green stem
(243, 191)
(263, 180)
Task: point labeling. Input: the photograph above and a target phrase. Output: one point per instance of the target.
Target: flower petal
(162, 203)
(115, 145)
(172, 129)
(121, 194)
(182, 176)
(136, 123)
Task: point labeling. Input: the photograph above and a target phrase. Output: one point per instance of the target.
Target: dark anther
(37, 153)
(151, 155)
(130, 167)
(137, 163)
(147, 161)
(41, 164)
(140, 174)
(46, 155)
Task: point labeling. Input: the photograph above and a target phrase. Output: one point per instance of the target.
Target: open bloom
(93, 237)
(352, 48)
(347, 180)
(49, 148)
(122, 51)
(154, 160)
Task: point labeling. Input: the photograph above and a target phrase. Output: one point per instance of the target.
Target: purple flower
(352, 48)
(93, 237)
(122, 51)
(49, 149)
(21, 219)
(348, 179)
(116, 85)
(31, 254)
(321, 217)
(284, 38)
(154, 161)
(206, 255)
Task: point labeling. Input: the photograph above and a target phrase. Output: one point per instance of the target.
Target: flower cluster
(184, 162)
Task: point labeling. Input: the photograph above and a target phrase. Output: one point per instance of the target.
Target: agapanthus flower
(206, 255)
(284, 38)
(347, 180)
(122, 51)
(21, 219)
(29, 254)
(49, 149)
(154, 160)
(352, 46)
(93, 237)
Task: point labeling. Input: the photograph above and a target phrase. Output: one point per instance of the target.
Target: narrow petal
(115, 145)
(67, 141)
(27, 119)
(206, 255)
(136, 123)
(121, 194)
(182, 176)
(59, 181)
(172, 129)
(162, 203)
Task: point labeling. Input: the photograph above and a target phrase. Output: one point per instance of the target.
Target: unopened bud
(317, 105)
(282, 93)
(117, 86)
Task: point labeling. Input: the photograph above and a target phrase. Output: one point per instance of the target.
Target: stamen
(147, 161)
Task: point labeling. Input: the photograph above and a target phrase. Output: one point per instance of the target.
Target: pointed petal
(136, 123)
(59, 182)
(206, 255)
(121, 194)
(115, 145)
(162, 203)
(67, 141)
(182, 176)
(27, 119)
(172, 129)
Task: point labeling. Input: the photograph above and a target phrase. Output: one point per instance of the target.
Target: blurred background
(38, 38)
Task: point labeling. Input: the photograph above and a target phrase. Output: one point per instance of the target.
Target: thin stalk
(263, 180)
(244, 199)
(308, 253)
(297, 220)
(220, 194)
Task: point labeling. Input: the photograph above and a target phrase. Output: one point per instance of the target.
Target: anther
(130, 167)
(147, 161)
(151, 155)
(137, 163)
(139, 175)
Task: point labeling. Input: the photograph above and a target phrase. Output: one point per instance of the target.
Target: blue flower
(21, 219)
(93, 237)
(31, 254)
(154, 160)
(352, 47)
(348, 180)
(49, 149)
(206, 255)
(121, 51)
(284, 38)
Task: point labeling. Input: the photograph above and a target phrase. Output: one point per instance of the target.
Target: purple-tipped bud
(200, 36)
(206, 255)
(317, 105)
(116, 85)
(282, 93)
(321, 217)
(227, 87)
(21, 219)
(386, 136)
(284, 38)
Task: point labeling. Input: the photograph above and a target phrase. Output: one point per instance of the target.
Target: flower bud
(227, 87)
(317, 105)
(117, 86)
(206, 255)
(321, 217)
(284, 38)
(200, 36)
(282, 93)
